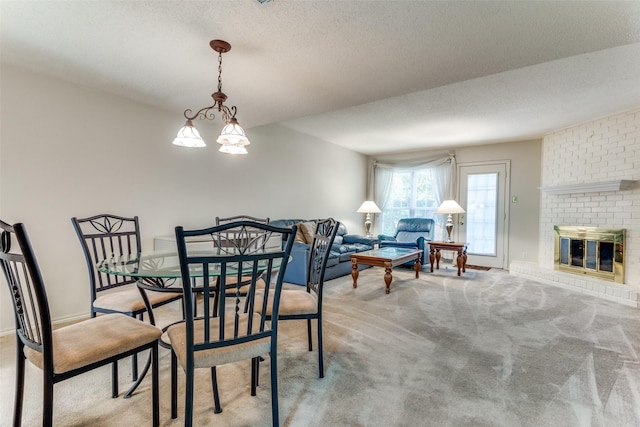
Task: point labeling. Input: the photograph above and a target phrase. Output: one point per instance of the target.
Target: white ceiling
(372, 76)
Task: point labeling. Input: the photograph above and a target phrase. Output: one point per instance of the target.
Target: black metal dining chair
(71, 350)
(106, 236)
(229, 237)
(307, 304)
(236, 218)
(231, 331)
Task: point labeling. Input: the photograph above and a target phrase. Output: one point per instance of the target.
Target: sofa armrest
(356, 238)
(386, 237)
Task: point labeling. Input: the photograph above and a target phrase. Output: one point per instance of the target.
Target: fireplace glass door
(589, 254)
(592, 251)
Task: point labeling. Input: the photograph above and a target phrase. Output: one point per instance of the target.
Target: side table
(460, 248)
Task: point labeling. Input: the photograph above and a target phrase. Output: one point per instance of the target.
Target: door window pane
(482, 215)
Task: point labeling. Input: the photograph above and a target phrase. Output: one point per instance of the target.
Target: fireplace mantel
(590, 187)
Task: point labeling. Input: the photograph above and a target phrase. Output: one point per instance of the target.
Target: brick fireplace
(590, 178)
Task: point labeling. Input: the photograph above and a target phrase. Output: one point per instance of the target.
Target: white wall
(601, 150)
(524, 181)
(67, 150)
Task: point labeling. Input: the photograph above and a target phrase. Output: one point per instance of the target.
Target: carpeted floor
(484, 349)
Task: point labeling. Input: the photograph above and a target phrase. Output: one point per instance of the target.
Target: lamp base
(367, 225)
(449, 227)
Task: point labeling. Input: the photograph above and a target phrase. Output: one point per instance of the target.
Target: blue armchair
(411, 233)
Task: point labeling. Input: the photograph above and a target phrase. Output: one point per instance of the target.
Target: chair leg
(188, 397)
(174, 385)
(114, 379)
(274, 389)
(259, 359)
(216, 301)
(134, 367)
(254, 375)
(216, 396)
(194, 300)
(19, 395)
(155, 391)
(134, 360)
(309, 334)
(47, 399)
(320, 356)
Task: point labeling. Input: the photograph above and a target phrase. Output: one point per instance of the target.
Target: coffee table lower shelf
(387, 258)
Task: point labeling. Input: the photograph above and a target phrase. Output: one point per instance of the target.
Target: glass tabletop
(388, 252)
(162, 265)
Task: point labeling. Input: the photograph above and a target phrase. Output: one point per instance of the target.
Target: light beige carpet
(484, 349)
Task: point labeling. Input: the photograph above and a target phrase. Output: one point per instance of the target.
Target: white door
(483, 193)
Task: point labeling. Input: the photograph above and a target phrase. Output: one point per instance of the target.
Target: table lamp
(449, 207)
(369, 207)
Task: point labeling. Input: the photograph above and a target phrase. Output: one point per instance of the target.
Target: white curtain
(441, 179)
(380, 179)
(442, 171)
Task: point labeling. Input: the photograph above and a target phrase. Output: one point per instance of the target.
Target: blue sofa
(339, 263)
(411, 233)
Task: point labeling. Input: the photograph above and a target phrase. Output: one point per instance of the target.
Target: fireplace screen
(590, 250)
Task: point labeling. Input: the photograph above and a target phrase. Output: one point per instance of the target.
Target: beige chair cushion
(309, 230)
(128, 300)
(291, 302)
(222, 355)
(95, 339)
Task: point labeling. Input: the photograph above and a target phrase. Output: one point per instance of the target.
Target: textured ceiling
(373, 76)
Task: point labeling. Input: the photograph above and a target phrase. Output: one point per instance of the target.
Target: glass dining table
(159, 271)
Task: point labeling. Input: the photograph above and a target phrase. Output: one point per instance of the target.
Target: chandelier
(232, 139)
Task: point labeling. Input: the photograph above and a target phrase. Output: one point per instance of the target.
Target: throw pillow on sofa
(308, 229)
(299, 234)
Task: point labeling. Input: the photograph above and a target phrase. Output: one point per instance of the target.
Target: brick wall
(601, 150)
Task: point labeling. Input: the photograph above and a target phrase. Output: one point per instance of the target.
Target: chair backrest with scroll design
(69, 350)
(20, 268)
(106, 236)
(208, 340)
(319, 251)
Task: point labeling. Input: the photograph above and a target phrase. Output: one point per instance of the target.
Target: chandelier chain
(219, 71)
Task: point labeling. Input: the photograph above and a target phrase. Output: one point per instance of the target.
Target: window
(411, 196)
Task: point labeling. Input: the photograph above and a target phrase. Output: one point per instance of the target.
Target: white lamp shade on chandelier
(233, 138)
(188, 136)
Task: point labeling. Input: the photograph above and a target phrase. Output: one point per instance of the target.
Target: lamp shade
(233, 134)
(188, 136)
(369, 206)
(233, 149)
(449, 207)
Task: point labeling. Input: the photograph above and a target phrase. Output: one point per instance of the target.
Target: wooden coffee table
(387, 258)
